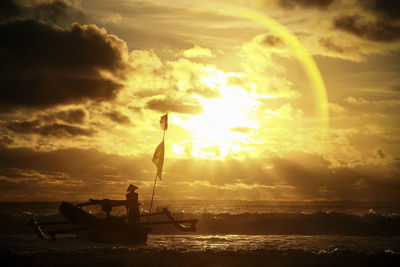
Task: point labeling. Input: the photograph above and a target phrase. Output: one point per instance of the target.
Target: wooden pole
(152, 197)
(154, 189)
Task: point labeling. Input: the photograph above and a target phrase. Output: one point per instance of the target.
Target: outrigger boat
(110, 229)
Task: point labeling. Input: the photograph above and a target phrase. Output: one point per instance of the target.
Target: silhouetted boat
(110, 229)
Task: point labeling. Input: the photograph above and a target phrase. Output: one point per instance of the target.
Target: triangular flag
(164, 122)
(158, 158)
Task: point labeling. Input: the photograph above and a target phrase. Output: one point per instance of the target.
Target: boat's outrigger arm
(191, 227)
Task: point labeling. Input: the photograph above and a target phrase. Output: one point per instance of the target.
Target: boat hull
(109, 230)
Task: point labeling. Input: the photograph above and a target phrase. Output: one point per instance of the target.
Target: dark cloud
(61, 12)
(320, 4)
(5, 140)
(118, 117)
(272, 40)
(311, 173)
(44, 65)
(76, 116)
(380, 153)
(73, 116)
(48, 129)
(135, 109)
(384, 9)
(90, 164)
(314, 178)
(174, 105)
(58, 11)
(8, 9)
(379, 31)
(384, 27)
(310, 177)
(329, 44)
(68, 174)
(84, 173)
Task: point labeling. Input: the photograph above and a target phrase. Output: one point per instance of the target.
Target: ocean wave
(320, 223)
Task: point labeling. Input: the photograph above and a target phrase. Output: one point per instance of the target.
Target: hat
(131, 187)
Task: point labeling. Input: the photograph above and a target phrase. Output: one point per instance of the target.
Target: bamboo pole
(154, 186)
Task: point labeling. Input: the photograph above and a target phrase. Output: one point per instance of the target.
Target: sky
(267, 99)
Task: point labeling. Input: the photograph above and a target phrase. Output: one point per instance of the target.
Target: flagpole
(154, 189)
(152, 196)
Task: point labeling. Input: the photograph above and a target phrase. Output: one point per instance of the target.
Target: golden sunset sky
(267, 100)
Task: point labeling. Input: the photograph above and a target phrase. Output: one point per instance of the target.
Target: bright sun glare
(229, 123)
(216, 132)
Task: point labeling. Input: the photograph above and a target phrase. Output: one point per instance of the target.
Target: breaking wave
(319, 223)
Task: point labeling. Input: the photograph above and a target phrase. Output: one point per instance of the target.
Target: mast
(158, 159)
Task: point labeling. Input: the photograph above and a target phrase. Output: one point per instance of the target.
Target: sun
(230, 125)
(227, 122)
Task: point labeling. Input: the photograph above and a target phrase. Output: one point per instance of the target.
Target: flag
(158, 158)
(164, 122)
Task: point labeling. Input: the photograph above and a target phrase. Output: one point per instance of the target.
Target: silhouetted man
(132, 204)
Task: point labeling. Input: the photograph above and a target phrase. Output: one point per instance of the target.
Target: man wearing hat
(132, 204)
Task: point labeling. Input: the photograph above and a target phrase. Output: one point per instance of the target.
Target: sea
(229, 233)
